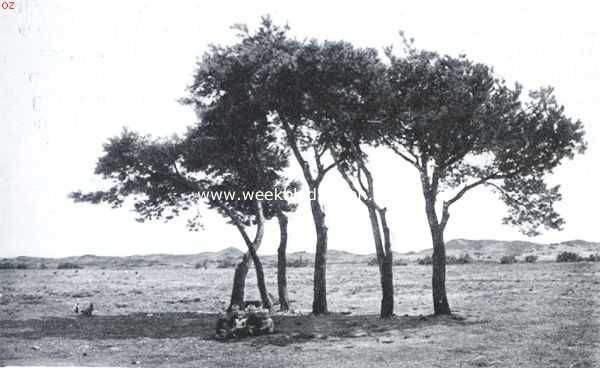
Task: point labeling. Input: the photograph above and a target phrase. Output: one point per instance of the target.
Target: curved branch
(468, 187)
(414, 161)
(290, 135)
(236, 221)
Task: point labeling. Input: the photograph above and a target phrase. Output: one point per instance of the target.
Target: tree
(229, 81)
(281, 208)
(461, 128)
(349, 98)
(165, 177)
(277, 72)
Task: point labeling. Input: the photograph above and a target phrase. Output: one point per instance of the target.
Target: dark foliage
(202, 264)
(530, 259)
(451, 260)
(68, 266)
(569, 257)
(226, 263)
(298, 263)
(508, 259)
(13, 266)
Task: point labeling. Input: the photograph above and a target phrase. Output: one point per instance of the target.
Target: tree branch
(413, 162)
(237, 223)
(506, 195)
(468, 187)
(353, 187)
(291, 138)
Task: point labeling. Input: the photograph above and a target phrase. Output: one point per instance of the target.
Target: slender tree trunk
(241, 271)
(380, 231)
(260, 280)
(284, 303)
(384, 261)
(260, 274)
(387, 274)
(320, 274)
(239, 281)
(438, 279)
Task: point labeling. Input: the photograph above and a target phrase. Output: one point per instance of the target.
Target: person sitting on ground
(258, 322)
(87, 312)
(223, 328)
(238, 322)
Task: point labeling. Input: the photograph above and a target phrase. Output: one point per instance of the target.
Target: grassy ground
(520, 315)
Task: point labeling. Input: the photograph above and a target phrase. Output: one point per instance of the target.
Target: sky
(73, 73)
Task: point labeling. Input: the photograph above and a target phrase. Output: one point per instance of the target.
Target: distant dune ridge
(479, 250)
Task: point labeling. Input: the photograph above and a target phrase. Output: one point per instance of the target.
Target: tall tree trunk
(438, 278)
(320, 274)
(379, 229)
(239, 281)
(387, 274)
(260, 274)
(384, 261)
(241, 271)
(284, 303)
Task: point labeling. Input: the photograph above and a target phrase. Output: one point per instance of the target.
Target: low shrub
(530, 259)
(7, 266)
(508, 259)
(201, 264)
(593, 257)
(396, 262)
(462, 259)
(226, 263)
(21, 266)
(568, 257)
(450, 260)
(427, 260)
(297, 263)
(400, 262)
(68, 266)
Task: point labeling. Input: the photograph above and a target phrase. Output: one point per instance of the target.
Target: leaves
(462, 127)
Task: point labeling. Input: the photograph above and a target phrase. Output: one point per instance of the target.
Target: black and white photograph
(299, 184)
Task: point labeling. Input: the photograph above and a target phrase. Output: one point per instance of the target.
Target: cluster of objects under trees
(85, 312)
(238, 323)
(270, 99)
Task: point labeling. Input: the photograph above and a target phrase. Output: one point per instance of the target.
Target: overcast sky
(73, 73)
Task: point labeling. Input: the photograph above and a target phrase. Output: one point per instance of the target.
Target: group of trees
(270, 99)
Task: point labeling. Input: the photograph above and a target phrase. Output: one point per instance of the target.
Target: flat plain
(519, 315)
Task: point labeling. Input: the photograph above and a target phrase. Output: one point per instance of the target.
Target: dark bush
(298, 263)
(396, 262)
(450, 260)
(593, 257)
(226, 263)
(7, 266)
(462, 259)
(508, 259)
(68, 266)
(43, 266)
(400, 262)
(21, 266)
(530, 259)
(568, 257)
(202, 264)
(427, 260)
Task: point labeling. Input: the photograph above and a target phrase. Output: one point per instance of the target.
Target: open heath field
(517, 315)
